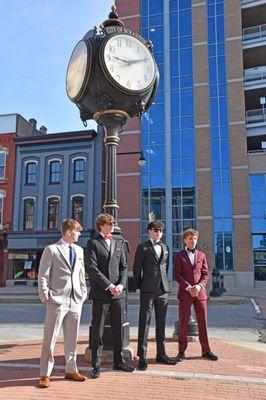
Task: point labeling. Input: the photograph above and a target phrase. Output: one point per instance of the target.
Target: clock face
(129, 62)
(77, 70)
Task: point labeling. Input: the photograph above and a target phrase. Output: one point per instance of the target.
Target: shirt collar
(64, 243)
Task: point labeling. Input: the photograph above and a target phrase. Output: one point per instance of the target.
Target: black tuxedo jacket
(105, 267)
(148, 270)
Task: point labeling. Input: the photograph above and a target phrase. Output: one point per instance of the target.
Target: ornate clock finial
(113, 14)
(113, 19)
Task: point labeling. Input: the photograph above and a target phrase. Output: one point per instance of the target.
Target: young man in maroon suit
(191, 272)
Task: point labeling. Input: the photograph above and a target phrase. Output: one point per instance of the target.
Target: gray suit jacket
(56, 277)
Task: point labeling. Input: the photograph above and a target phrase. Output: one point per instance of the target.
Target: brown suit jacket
(187, 274)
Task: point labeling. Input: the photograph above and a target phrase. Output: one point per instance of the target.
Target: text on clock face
(129, 62)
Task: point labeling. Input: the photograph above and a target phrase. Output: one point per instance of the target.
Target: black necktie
(71, 256)
(191, 251)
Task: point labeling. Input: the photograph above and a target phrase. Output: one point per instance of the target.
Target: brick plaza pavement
(239, 374)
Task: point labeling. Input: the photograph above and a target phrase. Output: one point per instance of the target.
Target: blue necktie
(71, 256)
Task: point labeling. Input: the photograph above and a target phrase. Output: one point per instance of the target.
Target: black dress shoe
(180, 356)
(95, 372)
(142, 364)
(123, 367)
(210, 356)
(164, 359)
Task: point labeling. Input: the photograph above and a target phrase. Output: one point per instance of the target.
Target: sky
(36, 41)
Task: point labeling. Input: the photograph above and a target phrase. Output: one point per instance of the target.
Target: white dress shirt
(107, 241)
(157, 248)
(66, 248)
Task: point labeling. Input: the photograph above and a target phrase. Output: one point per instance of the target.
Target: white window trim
(29, 198)
(55, 159)
(77, 195)
(53, 196)
(26, 162)
(5, 152)
(79, 158)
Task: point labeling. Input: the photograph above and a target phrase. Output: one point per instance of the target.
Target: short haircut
(70, 224)
(155, 225)
(190, 232)
(103, 219)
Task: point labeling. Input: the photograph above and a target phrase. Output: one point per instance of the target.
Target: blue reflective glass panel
(186, 81)
(176, 164)
(158, 181)
(174, 24)
(176, 179)
(258, 224)
(188, 179)
(159, 57)
(258, 195)
(258, 210)
(187, 122)
(186, 64)
(187, 105)
(155, 7)
(156, 20)
(144, 7)
(185, 42)
(156, 36)
(257, 181)
(185, 27)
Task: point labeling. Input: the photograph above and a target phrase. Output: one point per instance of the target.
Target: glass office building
(204, 136)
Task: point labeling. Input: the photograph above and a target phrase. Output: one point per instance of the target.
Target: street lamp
(142, 159)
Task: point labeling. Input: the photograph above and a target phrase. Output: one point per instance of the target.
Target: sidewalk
(240, 373)
(29, 294)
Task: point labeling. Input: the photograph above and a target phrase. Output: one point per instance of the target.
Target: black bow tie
(191, 251)
(157, 243)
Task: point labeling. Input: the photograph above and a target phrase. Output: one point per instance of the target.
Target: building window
(53, 212)
(28, 222)
(54, 172)
(77, 208)
(79, 170)
(2, 164)
(31, 172)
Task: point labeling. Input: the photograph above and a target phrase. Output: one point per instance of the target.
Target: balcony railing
(243, 2)
(256, 116)
(255, 76)
(254, 34)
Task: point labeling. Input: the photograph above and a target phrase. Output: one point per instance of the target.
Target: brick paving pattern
(239, 374)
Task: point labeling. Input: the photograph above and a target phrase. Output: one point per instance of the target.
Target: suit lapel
(153, 250)
(103, 242)
(61, 248)
(112, 245)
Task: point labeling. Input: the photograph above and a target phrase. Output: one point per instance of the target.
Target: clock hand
(120, 59)
(136, 61)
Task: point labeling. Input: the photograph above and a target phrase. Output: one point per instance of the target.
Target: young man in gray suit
(150, 274)
(62, 288)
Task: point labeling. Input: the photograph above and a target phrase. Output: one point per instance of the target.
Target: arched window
(28, 220)
(79, 170)
(31, 173)
(77, 208)
(54, 172)
(53, 212)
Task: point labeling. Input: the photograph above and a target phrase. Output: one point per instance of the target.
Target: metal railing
(254, 33)
(256, 116)
(243, 2)
(252, 76)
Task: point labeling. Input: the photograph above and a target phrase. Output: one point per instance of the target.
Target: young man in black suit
(150, 273)
(107, 269)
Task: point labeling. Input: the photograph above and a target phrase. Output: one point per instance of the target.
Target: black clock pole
(113, 122)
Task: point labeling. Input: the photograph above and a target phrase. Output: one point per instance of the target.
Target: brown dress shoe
(44, 382)
(75, 376)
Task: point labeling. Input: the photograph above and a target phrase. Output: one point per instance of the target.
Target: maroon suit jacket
(187, 274)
